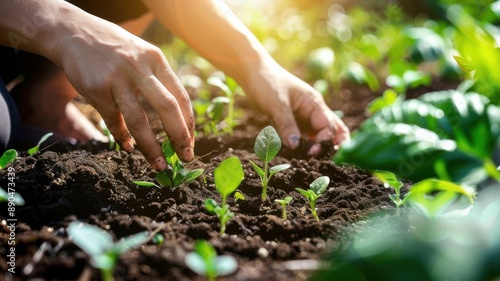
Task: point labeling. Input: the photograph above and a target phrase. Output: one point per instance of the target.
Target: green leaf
(258, 169)
(319, 185)
(164, 179)
(145, 183)
(309, 194)
(388, 178)
(7, 157)
(225, 265)
(268, 144)
(196, 263)
(389, 97)
(193, 174)
(362, 75)
(211, 205)
(278, 168)
(217, 82)
(228, 175)
(238, 196)
(35, 149)
(167, 148)
(125, 244)
(91, 239)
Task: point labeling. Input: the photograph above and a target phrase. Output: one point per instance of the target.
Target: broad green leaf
(268, 144)
(388, 178)
(195, 262)
(7, 157)
(228, 175)
(319, 185)
(216, 109)
(180, 177)
(193, 174)
(362, 75)
(278, 168)
(428, 45)
(92, 239)
(125, 244)
(145, 183)
(36, 148)
(431, 185)
(309, 194)
(164, 179)
(414, 79)
(388, 98)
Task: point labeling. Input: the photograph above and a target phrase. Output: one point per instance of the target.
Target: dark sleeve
(113, 10)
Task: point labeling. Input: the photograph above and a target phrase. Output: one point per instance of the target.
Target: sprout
(204, 261)
(36, 148)
(98, 244)
(267, 145)
(283, 203)
(316, 188)
(228, 176)
(7, 157)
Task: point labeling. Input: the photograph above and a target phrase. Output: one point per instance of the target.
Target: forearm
(215, 33)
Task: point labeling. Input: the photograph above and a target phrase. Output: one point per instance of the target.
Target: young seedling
(204, 261)
(316, 188)
(230, 89)
(267, 145)
(36, 148)
(283, 203)
(98, 244)
(17, 199)
(228, 176)
(238, 196)
(176, 173)
(390, 180)
(112, 143)
(7, 157)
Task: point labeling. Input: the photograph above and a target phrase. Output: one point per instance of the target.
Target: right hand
(111, 68)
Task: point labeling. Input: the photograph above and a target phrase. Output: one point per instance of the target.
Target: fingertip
(159, 164)
(314, 150)
(292, 141)
(187, 154)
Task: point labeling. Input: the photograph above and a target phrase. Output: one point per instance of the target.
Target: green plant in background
(99, 245)
(18, 200)
(362, 75)
(227, 176)
(390, 180)
(176, 173)
(238, 196)
(230, 89)
(284, 202)
(7, 157)
(267, 145)
(36, 148)
(388, 97)
(205, 261)
(447, 135)
(316, 189)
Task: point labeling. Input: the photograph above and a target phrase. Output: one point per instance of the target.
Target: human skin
(211, 29)
(110, 68)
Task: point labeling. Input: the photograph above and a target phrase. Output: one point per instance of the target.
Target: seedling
(283, 203)
(204, 261)
(98, 244)
(17, 199)
(267, 145)
(390, 180)
(112, 143)
(238, 196)
(7, 157)
(228, 176)
(316, 188)
(36, 148)
(176, 173)
(230, 89)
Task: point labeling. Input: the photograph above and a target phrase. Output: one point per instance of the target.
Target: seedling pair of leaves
(216, 110)
(284, 202)
(176, 173)
(430, 196)
(227, 176)
(205, 261)
(316, 189)
(7, 157)
(267, 145)
(99, 245)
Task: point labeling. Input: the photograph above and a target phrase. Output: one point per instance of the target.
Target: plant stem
(283, 216)
(313, 210)
(107, 274)
(265, 181)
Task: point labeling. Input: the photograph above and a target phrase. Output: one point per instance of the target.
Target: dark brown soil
(97, 188)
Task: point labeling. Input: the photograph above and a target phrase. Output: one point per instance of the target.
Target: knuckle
(137, 122)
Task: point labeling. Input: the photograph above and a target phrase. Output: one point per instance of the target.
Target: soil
(95, 186)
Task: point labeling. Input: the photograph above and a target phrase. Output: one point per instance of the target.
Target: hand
(111, 68)
(295, 108)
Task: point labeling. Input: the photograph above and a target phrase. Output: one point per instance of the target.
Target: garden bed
(97, 187)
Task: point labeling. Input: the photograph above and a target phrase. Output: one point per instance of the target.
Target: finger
(113, 119)
(171, 115)
(138, 125)
(168, 78)
(287, 127)
(333, 129)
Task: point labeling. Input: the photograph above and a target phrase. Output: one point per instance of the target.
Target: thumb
(287, 128)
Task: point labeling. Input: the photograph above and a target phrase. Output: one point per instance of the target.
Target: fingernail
(128, 146)
(159, 164)
(314, 150)
(293, 141)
